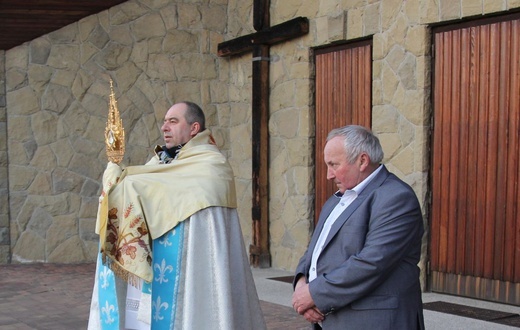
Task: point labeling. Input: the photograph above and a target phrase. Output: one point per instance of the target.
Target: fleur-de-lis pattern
(160, 271)
(166, 280)
(109, 311)
(157, 305)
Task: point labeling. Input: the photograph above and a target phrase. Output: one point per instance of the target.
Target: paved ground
(55, 297)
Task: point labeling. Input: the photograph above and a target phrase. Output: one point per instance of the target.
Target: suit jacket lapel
(376, 182)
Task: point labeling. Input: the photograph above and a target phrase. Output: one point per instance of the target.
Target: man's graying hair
(194, 114)
(356, 140)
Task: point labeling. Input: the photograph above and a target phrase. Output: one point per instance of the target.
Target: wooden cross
(259, 43)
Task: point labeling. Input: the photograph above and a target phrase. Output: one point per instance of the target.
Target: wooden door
(475, 214)
(343, 96)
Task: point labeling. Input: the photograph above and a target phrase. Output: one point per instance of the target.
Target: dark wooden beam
(296, 27)
(261, 19)
(259, 251)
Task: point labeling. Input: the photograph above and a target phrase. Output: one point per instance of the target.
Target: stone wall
(4, 179)
(161, 51)
(157, 52)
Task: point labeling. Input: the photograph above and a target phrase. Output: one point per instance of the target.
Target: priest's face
(175, 128)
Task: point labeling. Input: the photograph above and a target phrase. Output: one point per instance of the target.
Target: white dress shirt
(348, 197)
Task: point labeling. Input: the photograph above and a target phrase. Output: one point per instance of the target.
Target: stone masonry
(161, 51)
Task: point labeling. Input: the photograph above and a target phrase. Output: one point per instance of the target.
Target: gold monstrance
(114, 132)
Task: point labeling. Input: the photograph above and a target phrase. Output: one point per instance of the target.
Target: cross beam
(259, 43)
(284, 31)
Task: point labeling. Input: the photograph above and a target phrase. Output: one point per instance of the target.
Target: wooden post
(259, 43)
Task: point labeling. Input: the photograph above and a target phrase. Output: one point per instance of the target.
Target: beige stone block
(282, 123)
(390, 81)
(113, 56)
(44, 159)
(391, 143)
(126, 76)
(148, 26)
(179, 41)
(64, 56)
(57, 99)
(306, 8)
(70, 251)
(395, 57)
(214, 18)
(407, 132)
(385, 119)
(408, 72)
(301, 176)
(423, 74)
(283, 96)
(169, 16)
(337, 26)
(471, 7)
(193, 67)
(430, 11)
(299, 151)
(20, 178)
(87, 51)
(86, 26)
(411, 8)
(124, 13)
(354, 24)
(299, 70)
(417, 40)
(122, 34)
(512, 4)
(306, 120)
(91, 251)
(189, 16)
(283, 11)
(413, 109)
(377, 93)
(390, 10)
(61, 229)
(398, 31)
(328, 7)
(29, 247)
(421, 146)
(17, 57)
(276, 230)
(186, 90)
(302, 97)
(403, 161)
(491, 6)
(5, 254)
(381, 46)
(15, 79)
(161, 66)
(372, 19)
(22, 102)
(322, 34)
(449, 9)
(18, 154)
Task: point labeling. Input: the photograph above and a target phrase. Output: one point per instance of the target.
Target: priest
(172, 254)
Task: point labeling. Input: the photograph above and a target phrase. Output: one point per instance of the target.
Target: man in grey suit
(360, 269)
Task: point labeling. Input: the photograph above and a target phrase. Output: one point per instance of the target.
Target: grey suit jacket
(367, 271)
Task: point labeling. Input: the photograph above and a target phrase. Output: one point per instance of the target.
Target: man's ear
(364, 161)
(195, 128)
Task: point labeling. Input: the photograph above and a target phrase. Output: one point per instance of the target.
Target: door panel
(343, 96)
(475, 219)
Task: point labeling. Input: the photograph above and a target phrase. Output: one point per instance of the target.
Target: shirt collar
(360, 186)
